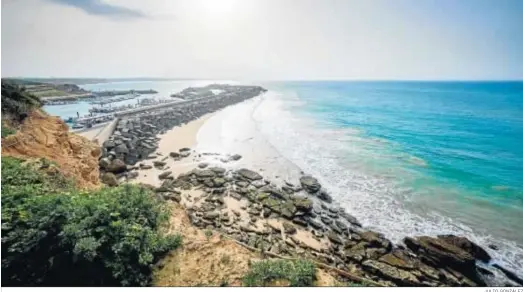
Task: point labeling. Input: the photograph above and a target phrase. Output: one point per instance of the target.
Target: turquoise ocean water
(406, 158)
(411, 157)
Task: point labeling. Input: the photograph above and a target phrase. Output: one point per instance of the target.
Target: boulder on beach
(165, 174)
(159, 163)
(249, 174)
(203, 165)
(465, 244)
(288, 227)
(185, 149)
(303, 204)
(109, 179)
(174, 154)
(236, 157)
(324, 196)
(205, 173)
(310, 184)
(117, 166)
(104, 163)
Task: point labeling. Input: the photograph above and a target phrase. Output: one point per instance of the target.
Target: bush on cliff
(6, 131)
(54, 235)
(16, 102)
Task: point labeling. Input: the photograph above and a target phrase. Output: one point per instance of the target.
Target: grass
(298, 273)
(6, 131)
(49, 93)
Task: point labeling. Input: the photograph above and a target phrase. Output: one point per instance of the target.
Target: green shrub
(16, 102)
(56, 236)
(299, 273)
(6, 131)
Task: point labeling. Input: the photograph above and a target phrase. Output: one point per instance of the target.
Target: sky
(264, 39)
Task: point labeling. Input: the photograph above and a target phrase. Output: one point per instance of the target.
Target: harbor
(103, 112)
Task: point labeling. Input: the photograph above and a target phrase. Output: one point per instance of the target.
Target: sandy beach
(172, 141)
(185, 137)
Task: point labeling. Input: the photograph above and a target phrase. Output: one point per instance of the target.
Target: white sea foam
(280, 143)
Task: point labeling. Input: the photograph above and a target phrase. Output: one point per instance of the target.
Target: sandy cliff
(44, 136)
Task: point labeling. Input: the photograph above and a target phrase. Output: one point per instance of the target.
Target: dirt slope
(208, 260)
(44, 136)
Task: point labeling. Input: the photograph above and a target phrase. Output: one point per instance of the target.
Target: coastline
(219, 196)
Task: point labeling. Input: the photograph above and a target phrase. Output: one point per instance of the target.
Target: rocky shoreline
(296, 218)
(135, 138)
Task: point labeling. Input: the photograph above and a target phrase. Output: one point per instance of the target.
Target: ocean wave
(344, 161)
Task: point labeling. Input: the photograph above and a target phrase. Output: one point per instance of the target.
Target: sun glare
(218, 8)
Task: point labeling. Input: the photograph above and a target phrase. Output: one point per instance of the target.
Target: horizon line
(272, 80)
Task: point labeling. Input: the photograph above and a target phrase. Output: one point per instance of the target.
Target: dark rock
(303, 204)
(205, 173)
(333, 215)
(356, 253)
(236, 157)
(315, 224)
(104, 163)
(173, 197)
(375, 239)
(266, 212)
(121, 149)
(310, 184)
(108, 144)
(109, 179)
(235, 195)
(165, 175)
(288, 227)
(398, 276)
(439, 253)
(203, 165)
(287, 189)
(334, 238)
(211, 215)
(300, 221)
(218, 170)
(218, 181)
(336, 229)
(341, 225)
(352, 220)
(493, 247)
(324, 196)
(326, 220)
(400, 258)
(468, 246)
(185, 149)
(117, 166)
(174, 154)
(288, 210)
(159, 163)
(249, 174)
(145, 166)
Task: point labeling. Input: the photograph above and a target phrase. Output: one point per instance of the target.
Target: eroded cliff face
(44, 136)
